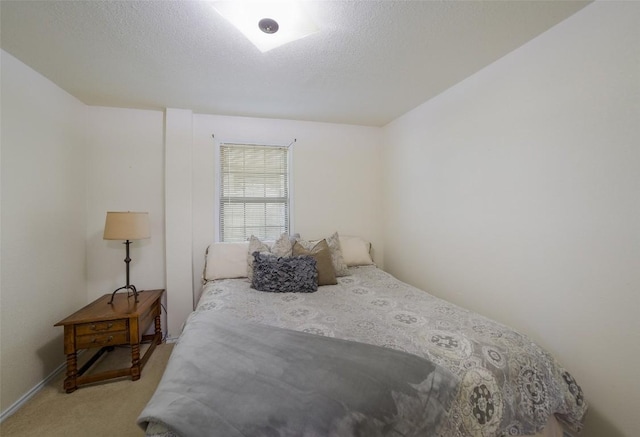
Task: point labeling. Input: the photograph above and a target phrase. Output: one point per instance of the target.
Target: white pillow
(355, 251)
(226, 260)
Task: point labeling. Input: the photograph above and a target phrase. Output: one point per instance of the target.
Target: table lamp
(126, 226)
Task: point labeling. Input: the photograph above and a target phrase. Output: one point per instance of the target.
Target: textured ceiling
(371, 61)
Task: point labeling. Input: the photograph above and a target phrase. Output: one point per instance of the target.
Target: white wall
(125, 172)
(516, 193)
(43, 224)
(125, 159)
(178, 232)
(336, 177)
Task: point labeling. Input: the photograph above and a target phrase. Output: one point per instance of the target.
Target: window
(254, 192)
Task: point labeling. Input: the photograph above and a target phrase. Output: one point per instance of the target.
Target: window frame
(218, 172)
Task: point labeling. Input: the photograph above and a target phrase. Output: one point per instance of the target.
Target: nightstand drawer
(101, 327)
(99, 340)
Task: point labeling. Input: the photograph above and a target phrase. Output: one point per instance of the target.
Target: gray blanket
(227, 377)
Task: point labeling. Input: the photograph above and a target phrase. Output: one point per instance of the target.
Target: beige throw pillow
(322, 254)
(281, 248)
(339, 265)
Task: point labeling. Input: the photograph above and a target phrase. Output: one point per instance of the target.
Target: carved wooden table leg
(158, 329)
(72, 371)
(135, 361)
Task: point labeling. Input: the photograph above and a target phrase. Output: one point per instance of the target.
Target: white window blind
(254, 192)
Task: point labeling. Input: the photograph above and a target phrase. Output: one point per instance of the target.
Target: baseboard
(31, 393)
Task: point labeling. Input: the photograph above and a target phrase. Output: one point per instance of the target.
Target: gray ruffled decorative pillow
(283, 275)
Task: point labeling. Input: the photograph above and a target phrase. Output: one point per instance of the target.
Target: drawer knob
(95, 328)
(95, 340)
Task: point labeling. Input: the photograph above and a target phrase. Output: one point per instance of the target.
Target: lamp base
(126, 287)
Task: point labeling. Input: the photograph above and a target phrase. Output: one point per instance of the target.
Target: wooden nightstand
(102, 325)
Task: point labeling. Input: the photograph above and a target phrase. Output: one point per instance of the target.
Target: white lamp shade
(126, 226)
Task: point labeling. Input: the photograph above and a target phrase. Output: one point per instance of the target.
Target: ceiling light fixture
(268, 25)
(286, 21)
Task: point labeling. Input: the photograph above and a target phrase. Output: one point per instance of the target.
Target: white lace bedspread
(508, 384)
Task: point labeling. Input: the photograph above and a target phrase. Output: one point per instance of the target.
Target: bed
(369, 355)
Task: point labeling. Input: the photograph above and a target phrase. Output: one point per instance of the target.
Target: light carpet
(108, 408)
